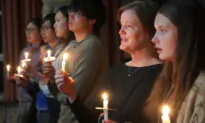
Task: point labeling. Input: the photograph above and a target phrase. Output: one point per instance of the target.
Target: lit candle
(49, 57)
(26, 54)
(48, 53)
(105, 105)
(65, 56)
(165, 114)
(26, 59)
(19, 70)
(23, 64)
(8, 67)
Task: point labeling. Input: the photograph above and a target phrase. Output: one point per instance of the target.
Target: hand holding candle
(105, 105)
(165, 114)
(65, 57)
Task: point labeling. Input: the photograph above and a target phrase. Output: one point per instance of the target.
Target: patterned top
(193, 107)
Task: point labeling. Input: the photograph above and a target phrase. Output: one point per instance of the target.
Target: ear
(92, 21)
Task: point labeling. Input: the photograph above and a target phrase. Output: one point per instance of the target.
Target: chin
(122, 48)
(164, 58)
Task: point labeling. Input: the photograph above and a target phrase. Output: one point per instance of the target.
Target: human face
(133, 37)
(78, 22)
(32, 33)
(47, 32)
(165, 37)
(61, 25)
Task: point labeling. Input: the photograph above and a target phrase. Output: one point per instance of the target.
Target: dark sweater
(128, 94)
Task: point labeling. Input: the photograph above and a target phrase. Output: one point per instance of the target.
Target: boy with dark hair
(86, 64)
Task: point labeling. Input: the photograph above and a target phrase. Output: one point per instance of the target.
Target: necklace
(130, 72)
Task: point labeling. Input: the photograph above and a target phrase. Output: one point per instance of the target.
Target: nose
(155, 40)
(121, 31)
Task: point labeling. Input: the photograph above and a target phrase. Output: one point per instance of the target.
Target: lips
(123, 40)
(158, 49)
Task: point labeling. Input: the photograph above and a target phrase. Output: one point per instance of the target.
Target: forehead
(162, 21)
(46, 23)
(130, 16)
(59, 15)
(31, 25)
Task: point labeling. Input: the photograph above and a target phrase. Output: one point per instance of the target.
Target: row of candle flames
(24, 62)
(48, 58)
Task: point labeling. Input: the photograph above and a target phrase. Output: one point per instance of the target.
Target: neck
(53, 43)
(36, 43)
(81, 35)
(142, 58)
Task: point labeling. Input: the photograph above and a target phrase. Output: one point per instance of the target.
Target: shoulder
(92, 41)
(199, 84)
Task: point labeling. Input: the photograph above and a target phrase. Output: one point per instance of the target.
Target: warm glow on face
(8, 67)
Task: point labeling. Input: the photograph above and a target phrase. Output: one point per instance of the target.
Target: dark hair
(146, 11)
(37, 22)
(64, 11)
(189, 19)
(92, 9)
(51, 18)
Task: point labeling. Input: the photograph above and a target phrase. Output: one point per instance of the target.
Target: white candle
(8, 67)
(165, 114)
(105, 105)
(48, 53)
(26, 54)
(65, 56)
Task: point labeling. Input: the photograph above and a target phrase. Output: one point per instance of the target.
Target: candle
(165, 114)
(48, 53)
(19, 70)
(23, 64)
(49, 57)
(65, 56)
(26, 59)
(105, 105)
(26, 54)
(8, 67)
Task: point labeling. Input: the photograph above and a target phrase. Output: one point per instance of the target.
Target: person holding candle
(27, 109)
(129, 84)
(179, 40)
(56, 43)
(85, 21)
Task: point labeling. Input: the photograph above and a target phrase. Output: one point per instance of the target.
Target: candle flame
(8, 67)
(26, 55)
(165, 110)
(23, 64)
(48, 53)
(19, 69)
(105, 96)
(65, 56)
